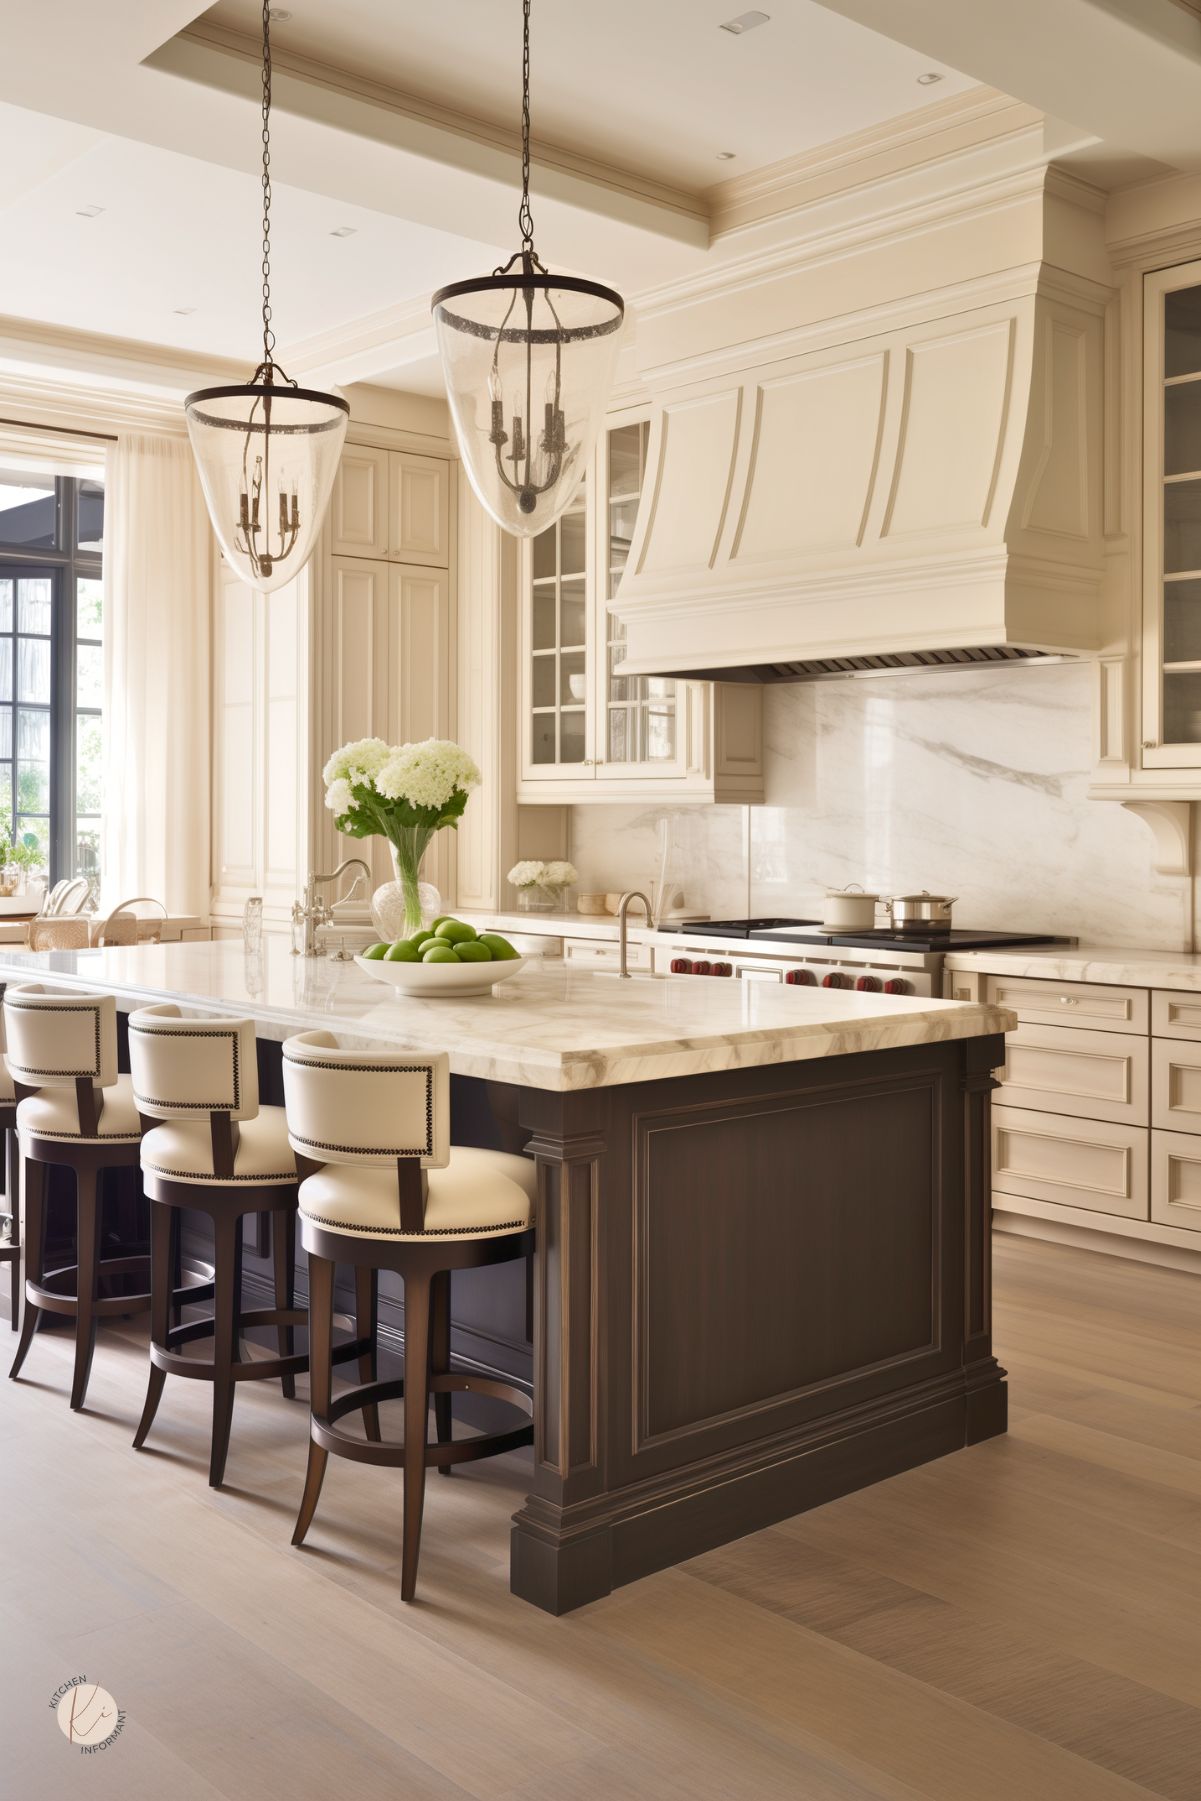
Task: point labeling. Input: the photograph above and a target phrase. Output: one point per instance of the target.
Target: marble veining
(1129, 968)
(551, 1026)
(972, 783)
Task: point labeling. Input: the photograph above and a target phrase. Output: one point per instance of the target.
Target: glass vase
(538, 898)
(401, 907)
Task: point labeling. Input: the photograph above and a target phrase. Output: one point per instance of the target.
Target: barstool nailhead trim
(386, 1069)
(507, 1225)
(234, 1106)
(26, 1007)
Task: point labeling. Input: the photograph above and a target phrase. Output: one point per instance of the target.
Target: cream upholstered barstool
(73, 1110)
(384, 1190)
(10, 1246)
(209, 1146)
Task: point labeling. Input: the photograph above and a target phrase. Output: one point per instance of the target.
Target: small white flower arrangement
(402, 792)
(542, 884)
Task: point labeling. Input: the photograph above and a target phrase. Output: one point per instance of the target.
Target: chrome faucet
(623, 926)
(315, 911)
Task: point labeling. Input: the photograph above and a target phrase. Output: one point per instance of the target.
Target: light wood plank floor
(1018, 1622)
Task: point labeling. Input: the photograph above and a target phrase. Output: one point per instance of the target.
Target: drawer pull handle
(1068, 1000)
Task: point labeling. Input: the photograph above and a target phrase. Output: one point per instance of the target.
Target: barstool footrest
(326, 1433)
(59, 1300)
(169, 1359)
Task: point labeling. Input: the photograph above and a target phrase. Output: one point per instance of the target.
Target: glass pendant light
(267, 451)
(528, 360)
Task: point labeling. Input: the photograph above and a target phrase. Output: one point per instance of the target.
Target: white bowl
(456, 981)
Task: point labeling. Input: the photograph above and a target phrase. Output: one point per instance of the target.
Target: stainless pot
(849, 909)
(907, 911)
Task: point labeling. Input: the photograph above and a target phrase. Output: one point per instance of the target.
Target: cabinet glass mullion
(1180, 518)
(558, 640)
(640, 712)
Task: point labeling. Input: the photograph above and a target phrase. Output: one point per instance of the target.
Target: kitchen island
(762, 1268)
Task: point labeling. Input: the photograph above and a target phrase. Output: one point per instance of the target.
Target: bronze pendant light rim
(264, 391)
(516, 283)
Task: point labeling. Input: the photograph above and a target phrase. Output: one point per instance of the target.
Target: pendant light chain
(525, 218)
(268, 333)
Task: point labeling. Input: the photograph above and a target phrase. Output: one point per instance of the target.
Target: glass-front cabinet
(1171, 649)
(589, 732)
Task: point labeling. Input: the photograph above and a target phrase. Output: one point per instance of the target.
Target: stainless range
(801, 952)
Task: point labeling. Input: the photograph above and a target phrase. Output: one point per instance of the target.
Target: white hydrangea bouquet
(540, 885)
(404, 793)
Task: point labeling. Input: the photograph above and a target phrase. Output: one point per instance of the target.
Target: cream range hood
(924, 498)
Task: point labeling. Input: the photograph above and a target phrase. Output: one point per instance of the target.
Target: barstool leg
(321, 1373)
(283, 1244)
(227, 1298)
(12, 1194)
(440, 1356)
(417, 1402)
(164, 1250)
(366, 1324)
(87, 1254)
(35, 1269)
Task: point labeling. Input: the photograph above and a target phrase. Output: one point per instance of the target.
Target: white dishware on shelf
(454, 981)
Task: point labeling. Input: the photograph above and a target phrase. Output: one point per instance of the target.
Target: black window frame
(65, 564)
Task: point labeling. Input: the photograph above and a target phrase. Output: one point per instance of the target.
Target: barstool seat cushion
(480, 1194)
(54, 1113)
(182, 1151)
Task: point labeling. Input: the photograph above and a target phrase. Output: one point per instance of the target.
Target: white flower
(338, 796)
(360, 761)
(427, 774)
(560, 874)
(527, 874)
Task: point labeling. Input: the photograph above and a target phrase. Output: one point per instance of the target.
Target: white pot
(849, 909)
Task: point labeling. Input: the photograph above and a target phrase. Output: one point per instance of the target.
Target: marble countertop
(1125, 965)
(550, 1026)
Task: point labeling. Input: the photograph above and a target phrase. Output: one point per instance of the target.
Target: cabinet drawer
(1176, 1180)
(1175, 1085)
(1092, 1004)
(1062, 1069)
(1075, 1162)
(1176, 1014)
(595, 953)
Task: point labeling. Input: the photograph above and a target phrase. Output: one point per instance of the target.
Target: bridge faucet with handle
(314, 912)
(623, 926)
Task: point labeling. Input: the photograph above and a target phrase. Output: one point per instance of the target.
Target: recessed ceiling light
(88, 212)
(183, 311)
(726, 156)
(343, 231)
(928, 79)
(744, 22)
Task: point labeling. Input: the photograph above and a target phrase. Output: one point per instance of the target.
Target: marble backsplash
(970, 783)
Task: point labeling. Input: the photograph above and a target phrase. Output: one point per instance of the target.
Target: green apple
(420, 938)
(500, 947)
(438, 953)
(401, 952)
(440, 921)
(473, 952)
(456, 931)
(375, 953)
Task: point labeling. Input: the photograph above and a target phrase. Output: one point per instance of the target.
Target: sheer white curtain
(156, 634)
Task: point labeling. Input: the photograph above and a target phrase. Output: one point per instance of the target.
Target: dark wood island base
(755, 1290)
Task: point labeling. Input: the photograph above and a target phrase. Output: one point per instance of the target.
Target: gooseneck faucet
(623, 926)
(315, 911)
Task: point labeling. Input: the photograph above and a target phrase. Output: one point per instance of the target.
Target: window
(52, 668)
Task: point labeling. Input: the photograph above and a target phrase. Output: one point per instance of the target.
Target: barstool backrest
(184, 1065)
(347, 1106)
(60, 1036)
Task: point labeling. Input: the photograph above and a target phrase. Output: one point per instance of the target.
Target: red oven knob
(836, 979)
(680, 966)
(723, 969)
(801, 978)
(898, 985)
(869, 984)
(703, 968)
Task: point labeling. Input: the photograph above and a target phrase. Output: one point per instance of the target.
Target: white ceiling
(652, 86)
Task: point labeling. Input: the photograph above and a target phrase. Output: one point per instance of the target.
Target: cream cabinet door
(359, 507)
(1176, 1180)
(1084, 1163)
(419, 509)
(1175, 1086)
(420, 661)
(355, 675)
(1095, 1075)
